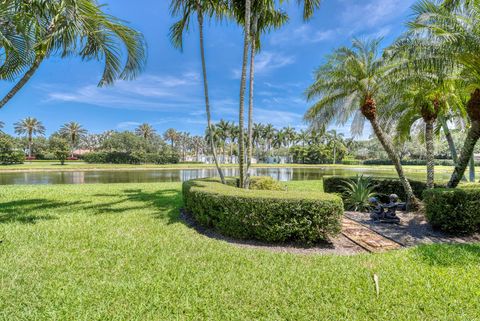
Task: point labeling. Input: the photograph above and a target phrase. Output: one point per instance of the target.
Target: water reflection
(176, 175)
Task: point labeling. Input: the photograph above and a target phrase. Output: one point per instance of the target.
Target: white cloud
(268, 61)
(149, 92)
(305, 34)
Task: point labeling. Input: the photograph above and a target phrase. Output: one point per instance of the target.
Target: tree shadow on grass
(165, 202)
(29, 211)
(449, 254)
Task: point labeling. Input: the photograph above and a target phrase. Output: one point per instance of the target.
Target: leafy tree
(60, 148)
(9, 153)
(29, 126)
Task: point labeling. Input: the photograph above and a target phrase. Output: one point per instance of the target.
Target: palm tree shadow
(166, 202)
(29, 211)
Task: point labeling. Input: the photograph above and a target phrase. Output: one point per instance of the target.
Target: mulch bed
(360, 234)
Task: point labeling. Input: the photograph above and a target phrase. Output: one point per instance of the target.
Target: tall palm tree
(350, 84)
(74, 131)
(185, 9)
(335, 139)
(224, 128)
(449, 35)
(30, 127)
(80, 28)
(268, 135)
(146, 131)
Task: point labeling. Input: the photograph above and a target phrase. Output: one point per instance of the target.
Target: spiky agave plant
(357, 193)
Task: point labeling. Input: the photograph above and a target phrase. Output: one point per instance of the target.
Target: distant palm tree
(74, 131)
(145, 130)
(350, 84)
(269, 133)
(172, 136)
(29, 126)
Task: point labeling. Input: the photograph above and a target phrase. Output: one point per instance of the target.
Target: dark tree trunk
(430, 147)
(473, 109)
(250, 107)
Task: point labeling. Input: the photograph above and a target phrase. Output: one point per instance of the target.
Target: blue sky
(169, 92)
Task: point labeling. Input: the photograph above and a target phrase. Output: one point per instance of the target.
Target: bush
(455, 211)
(134, 158)
(265, 183)
(8, 154)
(383, 186)
(272, 216)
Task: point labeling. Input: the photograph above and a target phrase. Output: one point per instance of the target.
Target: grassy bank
(73, 166)
(119, 251)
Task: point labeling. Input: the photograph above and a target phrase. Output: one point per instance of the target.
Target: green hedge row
(383, 186)
(272, 216)
(133, 158)
(455, 211)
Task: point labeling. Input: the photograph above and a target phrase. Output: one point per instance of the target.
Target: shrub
(383, 186)
(272, 216)
(357, 193)
(8, 154)
(60, 148)
(135, 158)
(265, 183)
(455, 211)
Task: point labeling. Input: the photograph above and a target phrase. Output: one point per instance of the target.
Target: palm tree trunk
(207, 100)
(243, 83)
(23, 81)
(250, 106)
(430, 153)
(412, 200)
(473, 109)
(472, 169)
(451, 143)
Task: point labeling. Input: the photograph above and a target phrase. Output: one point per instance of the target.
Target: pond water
(180, 175)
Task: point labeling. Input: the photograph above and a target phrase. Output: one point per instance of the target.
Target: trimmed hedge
(383, 186)
(455, 211)
(272, 216)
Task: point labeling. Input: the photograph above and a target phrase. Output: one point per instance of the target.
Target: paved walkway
(366, 237)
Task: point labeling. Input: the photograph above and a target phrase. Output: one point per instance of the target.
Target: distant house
(81, 152)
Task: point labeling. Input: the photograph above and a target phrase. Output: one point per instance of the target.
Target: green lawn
(117, 252)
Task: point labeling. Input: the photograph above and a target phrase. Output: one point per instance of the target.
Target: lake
(180, 175)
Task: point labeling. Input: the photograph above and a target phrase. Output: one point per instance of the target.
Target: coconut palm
(449, 35)
(74, 132)
(80, 28)
(335, 139)
(224, 129)
(185, 9)
(350, 84)
(30, 127)
(146, 131)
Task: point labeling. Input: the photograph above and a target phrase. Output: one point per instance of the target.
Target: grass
(119, 251)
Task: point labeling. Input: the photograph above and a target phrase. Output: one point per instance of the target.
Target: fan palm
(449, 35)
(351, 84)
(30, 127)
(74, 131)
(81, 28)
(145, 130)
(185, 9)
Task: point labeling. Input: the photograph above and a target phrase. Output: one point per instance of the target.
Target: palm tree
(335, 139)
(171, 135)
(77, 28)
(303, 136)
(29, 126)
(448, 35)
(145, 130)
(349, 84)
(268, 135)
(185, 9)
(74, 131)
(224, 129)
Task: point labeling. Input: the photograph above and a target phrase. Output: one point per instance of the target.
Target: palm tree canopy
(145, 130)
(348, 78)
(29, 126)
(76, 27)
